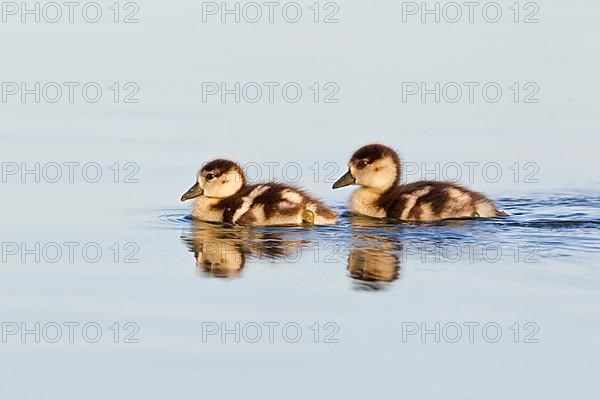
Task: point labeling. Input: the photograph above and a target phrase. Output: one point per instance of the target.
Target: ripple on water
(175, 219)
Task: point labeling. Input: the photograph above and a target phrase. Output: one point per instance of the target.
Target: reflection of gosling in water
(216, 254)
(224, 260)
(222, 251)
(222, 195)
(373, 265)
(377, 169)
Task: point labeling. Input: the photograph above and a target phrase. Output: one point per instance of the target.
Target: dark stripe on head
(374, 152)
(220, 166)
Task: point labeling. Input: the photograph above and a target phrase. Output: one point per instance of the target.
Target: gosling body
(377, 169)
(222, 195)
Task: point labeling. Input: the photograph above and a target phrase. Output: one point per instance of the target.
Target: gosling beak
(193, 192)
(345, 180)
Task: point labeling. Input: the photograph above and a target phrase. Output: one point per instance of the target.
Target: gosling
(222, 195)
(377, 169)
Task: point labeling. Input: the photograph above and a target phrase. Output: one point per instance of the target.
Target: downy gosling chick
(222, 195)
(377, 169)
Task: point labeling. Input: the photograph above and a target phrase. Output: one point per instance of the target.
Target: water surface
(356, 289)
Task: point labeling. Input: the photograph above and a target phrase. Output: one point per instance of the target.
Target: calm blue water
(109, 290)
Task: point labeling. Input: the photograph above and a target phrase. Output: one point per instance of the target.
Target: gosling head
(374, 166)
(217, 179)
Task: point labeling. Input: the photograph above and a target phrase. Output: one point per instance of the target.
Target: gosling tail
(487, 209)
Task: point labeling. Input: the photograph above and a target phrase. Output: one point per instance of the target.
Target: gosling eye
(362, 164)
(210, 177)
